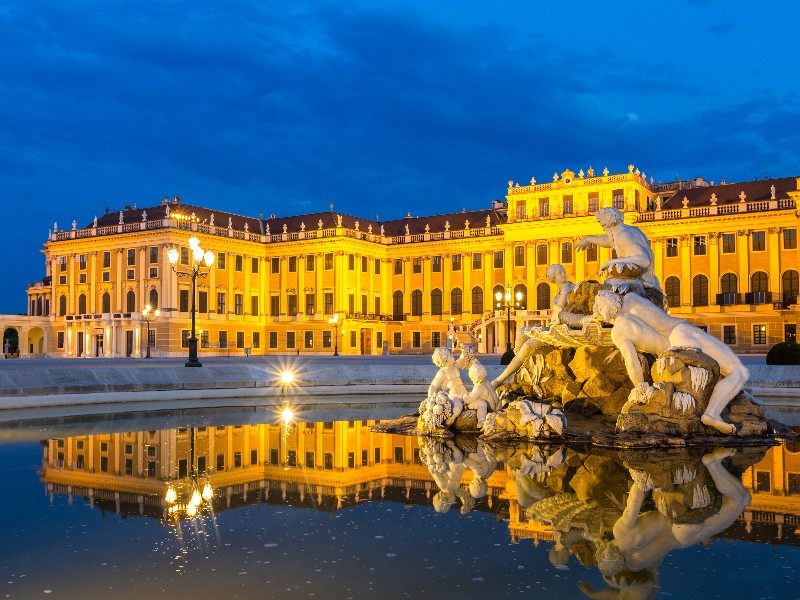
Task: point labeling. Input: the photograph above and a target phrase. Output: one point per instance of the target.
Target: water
(331, 510)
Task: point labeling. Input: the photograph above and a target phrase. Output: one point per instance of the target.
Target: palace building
(726, 256)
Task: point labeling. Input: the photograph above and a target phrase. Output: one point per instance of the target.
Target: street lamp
(500, 296)
(334, 321)
(199, 260)
(149, 315)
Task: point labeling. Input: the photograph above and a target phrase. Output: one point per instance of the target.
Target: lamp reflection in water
(188, 497)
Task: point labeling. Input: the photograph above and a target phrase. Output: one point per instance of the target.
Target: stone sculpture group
(610, 347)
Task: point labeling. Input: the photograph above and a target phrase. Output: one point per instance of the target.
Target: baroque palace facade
(726, 255)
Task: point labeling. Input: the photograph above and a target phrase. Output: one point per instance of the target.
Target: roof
(730, 193)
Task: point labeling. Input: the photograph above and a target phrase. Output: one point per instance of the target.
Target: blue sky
(380, 107)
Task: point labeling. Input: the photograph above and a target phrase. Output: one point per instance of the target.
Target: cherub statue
(448, 378)
(482, 398)
(639, 325)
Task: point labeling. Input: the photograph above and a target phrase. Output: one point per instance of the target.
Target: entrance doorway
(98, 345)
(128, 343)
(80, 344)
(789, 332)
(11, 342)
(366, 341)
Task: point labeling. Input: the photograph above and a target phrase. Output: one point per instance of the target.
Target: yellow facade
(409, 283)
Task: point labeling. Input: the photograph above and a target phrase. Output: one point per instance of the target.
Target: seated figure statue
(523, 342)
(639, 325)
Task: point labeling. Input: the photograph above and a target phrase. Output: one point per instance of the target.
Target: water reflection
(616, 512)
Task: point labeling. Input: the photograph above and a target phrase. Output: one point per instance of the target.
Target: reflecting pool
(227, 507)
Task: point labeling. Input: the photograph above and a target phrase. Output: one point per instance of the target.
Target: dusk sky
(383, 107)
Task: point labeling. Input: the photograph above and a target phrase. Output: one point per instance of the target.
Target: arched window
(436, 302)
(416, 303)
(82, 304)
(790, 286)
(477, 300)
(543, 296)
(106, 302)
(62, 306)
(729, 287)
(131, 302)
(397, 305)
(522, 304)
(455, 302)
(672, 289)
(759, 287)
(700, 290)
(154, 298)
(497, 288)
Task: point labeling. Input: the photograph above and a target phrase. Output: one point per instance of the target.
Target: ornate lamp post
(198, 261)
(334, 321)
(149, 315)
(500, 296)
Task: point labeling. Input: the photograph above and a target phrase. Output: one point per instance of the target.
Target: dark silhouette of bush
(785, 353)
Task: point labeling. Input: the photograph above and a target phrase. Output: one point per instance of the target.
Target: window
(416, 265)
(618, 199)
(290, 339)
(499, 259)
(202, 302)
(398, 266)
(204, 341)
(223, 339)
(455, 301)
(759, 334)
(254, 306)
(416, 303)
(591, 253)
(131, 257)
(240, 339)
(311, 304)
(153, 272)
(291, 305)
(672, 290)
(60, 339)
(790, 287)
(106, 277)
(728, 243)
(351, 303)
(436, 302)
(106, 303)
(519, 256)
(273, 339)
(328, 300)
(185, 338)
(700, 290)
(221, 260)
(309, 339)
(274, 306)
(184, 256)
(568, 206)
(522, 303)
(397, 339)
(521, 209)
(238, 300)
(254, 265)
(62, 306)
(326, 339)
(759, 241)
(759, 287)
(566, 252)
(729, 287)
(220, 462)
(364, 453)
(377, 266)
(672, 247)
(477, 261)
(436, 264)
(237, 263)
(365, 264)
(130, 274)
(351, 262)
(593, 202)
(329, 261)
(153, 255)
(789, 239)
(541, 254)
(379, 339)
(275, 265)
(699, 242)
(397, 305)
(436, 339)
(256, 339)
(327, 460)
(544, 207)
(292, 264)
(106, 261)
(131, 304)
(377, 305)
(221, 303)
(543, 296)
(377, 455)
(309, 262)
(456, 262)
(477, 300)
(353, 339)
(364, 308)
(309, 460)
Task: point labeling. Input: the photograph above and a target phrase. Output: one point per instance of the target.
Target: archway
(36, 340)
(11, 341)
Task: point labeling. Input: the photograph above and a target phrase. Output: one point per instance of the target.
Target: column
(774, 250)
(141, 266)
(658, 259)
(686, 270)
(93, 282)
(319, 298)
(72, 304)
(488, 266)
(743, 251)
(406, 285)
(713, 267)
(466, 269)
(119, 283)
(447, 269)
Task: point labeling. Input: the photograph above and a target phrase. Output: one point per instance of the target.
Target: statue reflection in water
(619, 511)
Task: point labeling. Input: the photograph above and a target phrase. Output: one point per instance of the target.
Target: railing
(750, 298)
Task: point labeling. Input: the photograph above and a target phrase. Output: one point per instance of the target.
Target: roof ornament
(55, 227)
(121, 218)
(658, 202)
(510, 183)
(533, 180)
(772, 192)
(590, 171)
(713, 199)
(302, 226)
(144, 216)
(447, 225)
(246, 227)
(331, 206)
(94, 223)
(466, 224)
(284, 228)
(685, 202)
(319, 224)
(488, 220)
(167, 208)
(268, 229)
(652, 181)
(555, 176)
(630, 168)
(357, 225)
(580, 174)
(211, 221)
(742, 196)
(230, 222)
(427, 228)
(605, 171)
(194, 218)
(408, 232)
(369, 228)
(638, 172)
(381, 230)
(74, 224)
(338, 219)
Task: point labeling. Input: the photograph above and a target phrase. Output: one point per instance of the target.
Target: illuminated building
(726, 255)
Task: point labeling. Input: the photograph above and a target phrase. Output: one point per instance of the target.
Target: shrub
(785, 353)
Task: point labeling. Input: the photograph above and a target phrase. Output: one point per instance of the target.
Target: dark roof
(729, 193)
(203, 215)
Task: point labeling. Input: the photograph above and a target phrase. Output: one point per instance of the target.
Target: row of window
(729, 289)
(568, 204)
(758, 243)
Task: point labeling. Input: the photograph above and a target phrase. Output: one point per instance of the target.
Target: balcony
(753, 298)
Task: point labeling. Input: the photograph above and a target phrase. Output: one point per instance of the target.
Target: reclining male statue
(639, 325)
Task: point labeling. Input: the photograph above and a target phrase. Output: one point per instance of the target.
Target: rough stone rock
(581, 298)
(591, 475)
(467, 421)
(599, 386)
(582, 406)
(570, 391)
(678, 366)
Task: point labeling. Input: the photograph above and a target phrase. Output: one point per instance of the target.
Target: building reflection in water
(618, 511)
